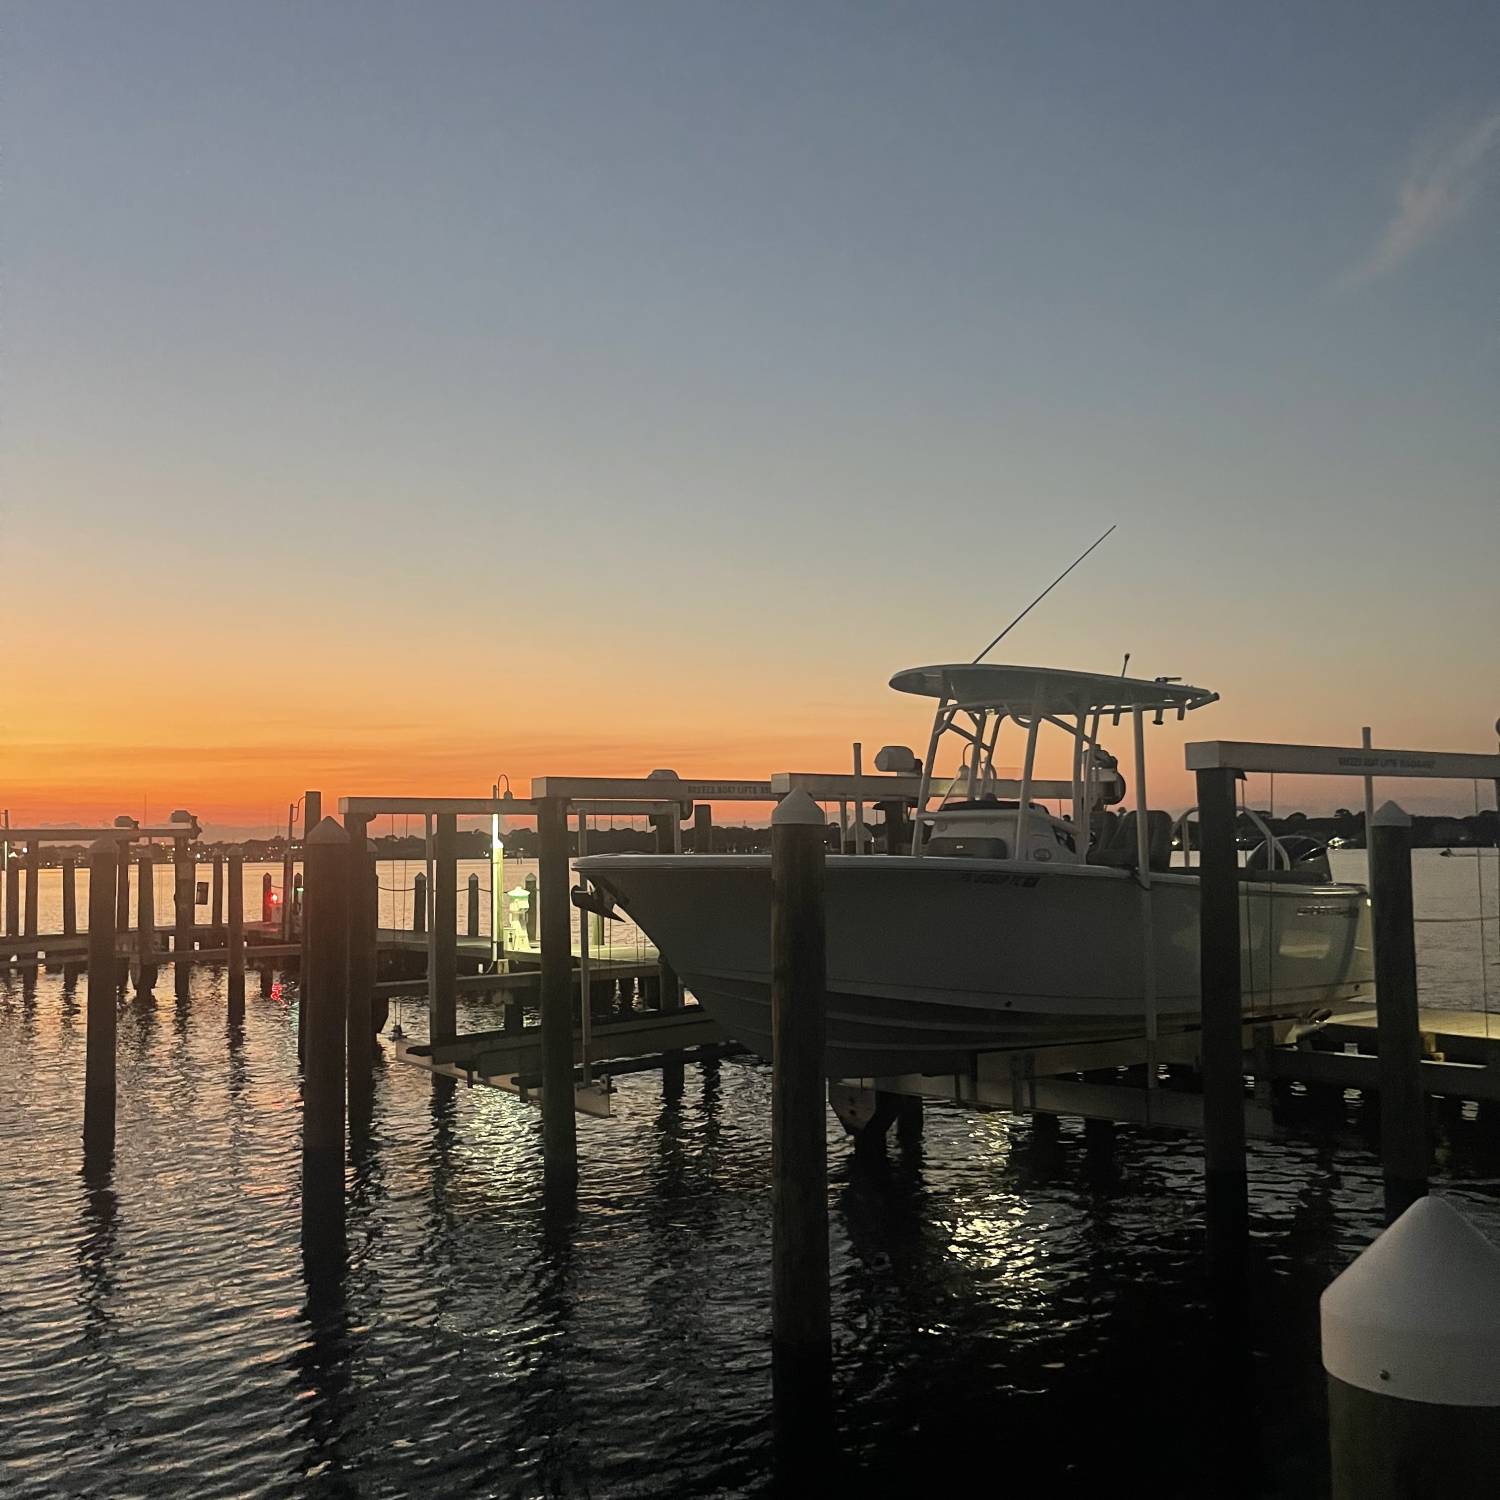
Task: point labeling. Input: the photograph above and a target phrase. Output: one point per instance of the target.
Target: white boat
(1009, 924)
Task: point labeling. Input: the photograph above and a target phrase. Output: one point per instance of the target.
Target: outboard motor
(1309, 859)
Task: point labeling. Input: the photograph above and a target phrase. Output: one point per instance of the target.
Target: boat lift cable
(1041, 596)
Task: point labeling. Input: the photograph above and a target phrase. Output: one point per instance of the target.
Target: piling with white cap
(1411, 1347)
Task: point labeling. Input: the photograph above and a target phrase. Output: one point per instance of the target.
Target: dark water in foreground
(1002, 1312)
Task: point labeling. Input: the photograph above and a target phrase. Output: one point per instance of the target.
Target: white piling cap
(1418, 1313)
(797, 807)
(1390, 815)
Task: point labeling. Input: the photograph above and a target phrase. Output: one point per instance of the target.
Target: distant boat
(1007, 925)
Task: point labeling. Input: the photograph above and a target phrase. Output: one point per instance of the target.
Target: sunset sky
(399, 395)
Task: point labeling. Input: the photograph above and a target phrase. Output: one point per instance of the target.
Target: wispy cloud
(1440, 183)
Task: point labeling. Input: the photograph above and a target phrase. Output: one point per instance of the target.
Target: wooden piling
(267, 899)
(122, 887)
(216, 897)
(800, 1310)
(287, 873)
(559, 1127)
(325, 993)
(70, 895)
(236, 857)
(13, 896)
(312, 812)
(99, 1040)
(364, 922)
(1226, 1184)
(145, 923)
(703, 829)
(442, 1018)
(472, 923)
(33, 888)
(533, 901)
(419, 902)
(185, 872)
(1404, 1149)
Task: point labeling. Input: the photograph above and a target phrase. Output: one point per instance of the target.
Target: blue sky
(761, 348)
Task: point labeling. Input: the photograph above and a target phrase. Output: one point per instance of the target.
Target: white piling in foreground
(1411, 1346)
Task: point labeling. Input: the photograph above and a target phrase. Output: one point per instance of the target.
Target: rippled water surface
(1005, 1312)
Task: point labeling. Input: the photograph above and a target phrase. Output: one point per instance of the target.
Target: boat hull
(932, 960)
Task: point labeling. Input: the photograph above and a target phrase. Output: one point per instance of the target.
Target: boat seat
(1102, 826)
(1118, 850)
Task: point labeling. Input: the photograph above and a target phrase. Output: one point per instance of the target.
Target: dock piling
(185, 871)
(703, 829)
(532, 901)
(325, 986)
(236, 857)
(1404, 1147)
(70, 896)
(802, 1392)
(559, 1127)
(122, 888)
(1226, 1185)
(267, 899)
(443, 995)
(99, 1039)
(216, 898)
(33, 887)
(13, 895)
(145, 923)
(472, 924)
(364, 923)
(419, 902)
(1411, 1348)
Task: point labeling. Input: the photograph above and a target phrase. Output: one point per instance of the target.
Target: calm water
(996, 1303)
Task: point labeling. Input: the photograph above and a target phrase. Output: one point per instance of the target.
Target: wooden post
(419, 902)
(312, 812)
(1403, 1104)
(801, 1338)
(236, 934)
(267, 901)
(668, 839)
(442, 1017)
(1411, 1348)
(703, 829)
(559, 1127)
(99, 1041)
(13, 896)
(122, 887)
(364, 918)
(216, 898)
(33, 886)
(533, 901)
(1227, 1207)
(185, 876)
(472, 925)
(70, 896)
(145, 922)
(287, 877)
(325, 993)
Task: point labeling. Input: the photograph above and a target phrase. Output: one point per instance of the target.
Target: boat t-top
(1023, 910)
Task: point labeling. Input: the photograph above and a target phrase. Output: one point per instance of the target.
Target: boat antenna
(1124, 664)
(1040, 597)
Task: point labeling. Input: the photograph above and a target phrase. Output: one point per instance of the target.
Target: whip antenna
(1039, 598)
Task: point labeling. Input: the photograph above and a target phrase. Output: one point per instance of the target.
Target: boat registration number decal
(1001, 878)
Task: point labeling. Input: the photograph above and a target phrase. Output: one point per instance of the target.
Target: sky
(397, 396)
